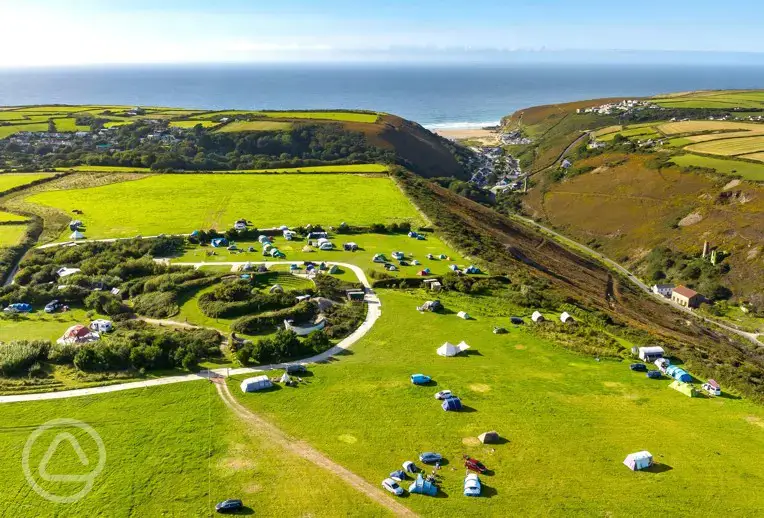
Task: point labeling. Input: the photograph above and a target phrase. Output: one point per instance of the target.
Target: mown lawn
(39, 325)
(174, 450)
(568, 419)
(746, 170)
(169, 204)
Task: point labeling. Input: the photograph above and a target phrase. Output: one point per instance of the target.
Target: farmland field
(12, 180)
(11, 234)
(335, 116)
(675, 128)
(255, 126)
(163, 204)
(104, 169)
(350, 168)
(754, 156)
(724, 99)
(192, 124)
(170, 451)
(746, 170)
(8, 216)
(549, 404)
(69, 124)
(7, 131)
(730, 147)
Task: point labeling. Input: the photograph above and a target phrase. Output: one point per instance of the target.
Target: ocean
(439, 96)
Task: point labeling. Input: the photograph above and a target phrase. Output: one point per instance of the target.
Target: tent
(516, 320)
(448, 349)
(491, 437)
(301, 330)
(565, 318)
(307, 248)
(537, 317)
(424, 272)
(423, 487)
(285, 378)
(472, 269)
(415, 263)
(263, 239)
(678, 374)
(429, 256)
(442, 256)
(334, 269)
(255, 384)
(464, 315)
(379, 258)
(77, 235)
(219, 241)
(452, 404)
(684, 388)
(638, 460)
(453, 267)
(276, 288)
(398, 255)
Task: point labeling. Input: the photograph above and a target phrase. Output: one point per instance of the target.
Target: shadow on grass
(727, 395)
(244, 511)
(657, 467)
(431, 383)
(467, 409)
(472, 352)
(488, 491)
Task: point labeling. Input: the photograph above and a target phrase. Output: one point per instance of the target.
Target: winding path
(374, 311)
(753, 337)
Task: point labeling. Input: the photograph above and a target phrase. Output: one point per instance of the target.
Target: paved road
(274, 435)
(374, 311)
(753, 337)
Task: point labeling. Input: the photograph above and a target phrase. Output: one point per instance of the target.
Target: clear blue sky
(57, 32)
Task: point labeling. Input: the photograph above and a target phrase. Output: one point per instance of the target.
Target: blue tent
(472, 270)
(452, 404)
(219, 241)
(423, 487)
(678, 374)
(195, 233)
(453, 267)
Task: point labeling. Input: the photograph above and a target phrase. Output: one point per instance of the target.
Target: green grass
(371, 244)
(569, 420)
(164, 204)
(104, 169)
(334, 116)
(174, 450)
(69, 124)
(746, 170)
(192, 124)
(112, 124)
(237, 126)
(11, 234)
(13, 180)
(351, 168)
(9, 216)
(39, 325)
(7, 131)
(730, 147)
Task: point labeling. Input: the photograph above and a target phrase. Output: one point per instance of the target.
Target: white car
(443, 394)
(712, 390)
(392, 486)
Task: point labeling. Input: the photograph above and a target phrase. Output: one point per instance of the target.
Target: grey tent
(276, 288)
(491, 437)
(255, 384)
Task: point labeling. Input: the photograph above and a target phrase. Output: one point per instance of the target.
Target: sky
(93, 32)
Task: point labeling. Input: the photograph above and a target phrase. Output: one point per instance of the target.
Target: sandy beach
(459, 133)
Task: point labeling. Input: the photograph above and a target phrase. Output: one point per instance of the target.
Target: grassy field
(192, 124)
(333, 116)
(7, 131)
(104, 169)
(13, 180)
(569, 420)
(723, 99)
(370, 245)
(676, 128)
(11, 234)
(642, 132)
(236, 126)
(112, 124)
(754, 156)
(8, 216)
(170, 451)
(351, 168)
(746, 170)
(730, 147)
(69, 124)
(162, 204)
(40, 325)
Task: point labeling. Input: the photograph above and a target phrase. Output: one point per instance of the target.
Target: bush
(161, 304)
(62, 353)
(317, 342)
(17, 357)
(255, 324)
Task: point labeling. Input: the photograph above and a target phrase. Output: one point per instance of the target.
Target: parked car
(53, 306)
(410, 467)
(398, 475)
(443, 394)
(392, 486)
(472, 485)
(638, 367)
(429, 457)
(654, 375)
(19, 307)
(229, 505)
(296, 368)
(420, 379)
(712, 390)
(474, 465)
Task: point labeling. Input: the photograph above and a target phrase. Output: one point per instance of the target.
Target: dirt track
(274, 435)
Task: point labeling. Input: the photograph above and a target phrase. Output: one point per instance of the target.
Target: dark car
(474, 465)
(638, 367)
(229, 505)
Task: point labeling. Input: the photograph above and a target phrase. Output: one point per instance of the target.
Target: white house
(663, 289)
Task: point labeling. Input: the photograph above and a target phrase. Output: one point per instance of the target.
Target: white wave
(460, 125)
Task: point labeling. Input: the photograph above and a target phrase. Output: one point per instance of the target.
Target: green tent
(684, 388)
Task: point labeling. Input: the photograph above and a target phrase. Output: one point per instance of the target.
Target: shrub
(62, 353)
(161, 304)
(18, 357)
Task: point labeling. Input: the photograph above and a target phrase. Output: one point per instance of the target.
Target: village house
(686, 297)
(663, 289)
